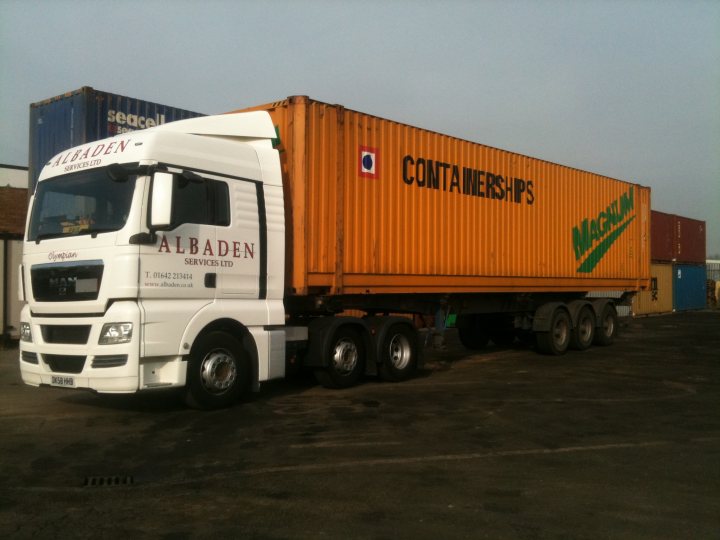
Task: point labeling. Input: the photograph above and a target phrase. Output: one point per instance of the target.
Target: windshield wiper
(92, 232)
(45, 236)
(96, 230)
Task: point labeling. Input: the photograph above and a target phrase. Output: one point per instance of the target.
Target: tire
(346, 354)
(472, 333)
(607, 329)
(398, 353)
(557, 340)
(218, 372)
(584, 331)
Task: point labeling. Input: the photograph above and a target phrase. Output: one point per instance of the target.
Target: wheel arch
(237, 330)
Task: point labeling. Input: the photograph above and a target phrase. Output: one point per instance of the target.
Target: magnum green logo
(600, 233)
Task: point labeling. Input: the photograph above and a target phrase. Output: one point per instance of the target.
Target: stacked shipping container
(689, 289)
(86, 115)
(659, 299)
(676, 239)
(677, 252)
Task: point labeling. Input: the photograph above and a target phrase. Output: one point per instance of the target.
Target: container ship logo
(597, 235)
(368, 162)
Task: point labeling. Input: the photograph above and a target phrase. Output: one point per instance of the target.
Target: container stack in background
(86, 115)
(678, 274)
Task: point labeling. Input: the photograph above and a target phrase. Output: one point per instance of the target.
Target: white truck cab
(149, 246)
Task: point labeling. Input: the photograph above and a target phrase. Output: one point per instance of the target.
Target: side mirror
(161, 204)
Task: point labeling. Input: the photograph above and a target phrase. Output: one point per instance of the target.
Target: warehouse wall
(13, 202)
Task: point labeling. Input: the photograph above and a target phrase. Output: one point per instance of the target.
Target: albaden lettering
(217, 248)
(114, 147)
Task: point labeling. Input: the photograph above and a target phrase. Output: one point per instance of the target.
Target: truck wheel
(473, 334)
(398, 353)
(556, 341)
(218, 372)
(607, 329)
(584, 331)
(346, 359)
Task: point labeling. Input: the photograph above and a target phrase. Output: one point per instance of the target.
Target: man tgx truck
(219, 252)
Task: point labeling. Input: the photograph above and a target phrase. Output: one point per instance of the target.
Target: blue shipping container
(86, 115)
(689, 288)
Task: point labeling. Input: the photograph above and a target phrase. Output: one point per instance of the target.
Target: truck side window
(204, 203)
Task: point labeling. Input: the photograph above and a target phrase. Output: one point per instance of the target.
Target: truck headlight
(114, 333)
(25, 332)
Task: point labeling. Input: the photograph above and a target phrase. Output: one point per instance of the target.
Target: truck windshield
(88, 202)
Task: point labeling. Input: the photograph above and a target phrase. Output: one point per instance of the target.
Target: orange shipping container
(375, 206)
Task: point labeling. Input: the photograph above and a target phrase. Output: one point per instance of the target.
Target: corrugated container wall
(378, 206)
(689, 287)
(677, 239)
(87, 115)
(659, 298)
(690, 240)
(662, 237)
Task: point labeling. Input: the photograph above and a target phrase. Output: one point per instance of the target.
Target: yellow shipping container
(659, 298)
(375, 206)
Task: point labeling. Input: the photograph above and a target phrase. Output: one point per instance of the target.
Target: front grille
(72, 334)
(64, 363)
(66, 282)
(109, 360)
(29, 357)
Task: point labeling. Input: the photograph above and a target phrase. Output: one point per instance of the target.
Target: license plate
(59, 380)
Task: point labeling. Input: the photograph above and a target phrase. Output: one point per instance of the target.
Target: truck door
(178, 272)
(184, 261)
(241, 273)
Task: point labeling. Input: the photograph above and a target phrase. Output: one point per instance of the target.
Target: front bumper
(65, 352)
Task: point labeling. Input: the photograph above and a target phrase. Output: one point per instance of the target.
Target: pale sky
(628, 89)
